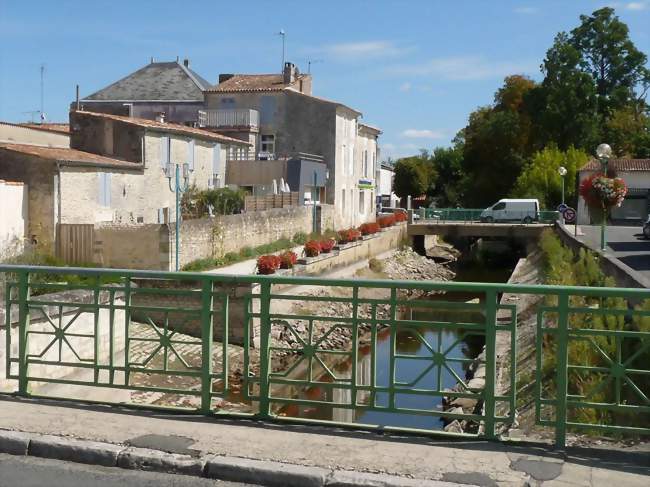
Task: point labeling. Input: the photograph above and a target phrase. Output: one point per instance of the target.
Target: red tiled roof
(62, 128)
(623, 165)
(254, 82)
(167, 127)
(74, 156)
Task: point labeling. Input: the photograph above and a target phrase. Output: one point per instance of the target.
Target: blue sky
(415, 68)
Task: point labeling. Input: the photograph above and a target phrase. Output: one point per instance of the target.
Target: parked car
(646, 227)
(512, 210)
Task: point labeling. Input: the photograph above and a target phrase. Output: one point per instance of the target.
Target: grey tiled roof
(155, 82)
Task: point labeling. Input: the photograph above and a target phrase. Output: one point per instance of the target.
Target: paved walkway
(464, 462)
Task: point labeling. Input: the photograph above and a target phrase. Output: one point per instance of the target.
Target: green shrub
(376, 265)
(299, 238)
(231, 257)
(199, 265)
(247, 252)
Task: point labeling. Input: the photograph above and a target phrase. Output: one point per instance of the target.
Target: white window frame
(267, 143)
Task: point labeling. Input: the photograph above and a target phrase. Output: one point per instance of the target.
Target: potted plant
(312, 248)
(268, 264)
(327, 245)
(603, 192)
(288, 259)
(386, 221)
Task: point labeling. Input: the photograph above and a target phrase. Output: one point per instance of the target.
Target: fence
(470, 215)
(270, 201)
(75, 243)
(360, 356)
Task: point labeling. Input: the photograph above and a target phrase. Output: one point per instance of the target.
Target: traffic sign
(569, 215)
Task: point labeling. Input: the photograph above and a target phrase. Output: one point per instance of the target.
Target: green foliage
(196, 203)
(540, 178)
(245, 253)
(299, 238)
(412, 176)
(448, 164)
(376, 265)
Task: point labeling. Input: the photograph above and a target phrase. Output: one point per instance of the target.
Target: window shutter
(216, 159)
(164, 151)
(190, 154)
(107, 190)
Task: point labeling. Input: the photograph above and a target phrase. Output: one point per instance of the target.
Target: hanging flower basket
(603, 192)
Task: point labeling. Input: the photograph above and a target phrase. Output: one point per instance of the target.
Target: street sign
(569, 215)
(562, 207)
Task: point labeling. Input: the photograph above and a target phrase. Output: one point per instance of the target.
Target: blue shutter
(104, 193)
(190, 154)
(164, 151)
(216, 159)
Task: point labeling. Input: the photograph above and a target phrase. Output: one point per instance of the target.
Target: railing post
(206, 346)
(265, 336)
(562, 338)
(23, 334)
(490, 363)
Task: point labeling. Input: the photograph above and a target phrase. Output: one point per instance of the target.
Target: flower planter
(347, 245)
(318, 258)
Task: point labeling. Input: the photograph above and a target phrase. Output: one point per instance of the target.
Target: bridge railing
(365, 353)
(473, 215)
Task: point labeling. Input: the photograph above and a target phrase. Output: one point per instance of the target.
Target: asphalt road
(40, 472)
(625, 243)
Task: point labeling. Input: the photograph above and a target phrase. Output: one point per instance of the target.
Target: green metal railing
(163, 335)
(473, 215)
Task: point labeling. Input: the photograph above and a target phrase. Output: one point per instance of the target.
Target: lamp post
(603, 152)
(562, 172)
(178, 188)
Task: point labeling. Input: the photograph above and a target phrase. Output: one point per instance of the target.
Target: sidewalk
(330, 450)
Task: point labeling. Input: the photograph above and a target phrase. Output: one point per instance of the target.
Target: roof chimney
(160, 117)
(186, 63)
(225, 77)
(290, 72)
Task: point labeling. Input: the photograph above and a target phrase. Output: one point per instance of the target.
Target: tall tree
(611, 58)
(411, 177)
(447, 162)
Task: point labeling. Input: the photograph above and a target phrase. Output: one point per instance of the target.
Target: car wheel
(646, 232)
(528, 220)
(489, 219)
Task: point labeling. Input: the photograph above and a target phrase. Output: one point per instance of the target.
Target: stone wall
(132, 246)
(214, 237)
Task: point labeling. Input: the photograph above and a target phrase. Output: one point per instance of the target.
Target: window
(104, 193)
(267, 143)
(350, 160)
(362, 202)
(190, 154)
(365, 163)
(164, 151)
(499, 206)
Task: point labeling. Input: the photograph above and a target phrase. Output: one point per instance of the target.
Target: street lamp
(178, 189)
(562, 172)
(603, 152)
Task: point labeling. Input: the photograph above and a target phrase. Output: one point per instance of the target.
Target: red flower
(369, 228)
(386, 221)
(288, 259)
(268, 264)
(326, 246)
(312, 248)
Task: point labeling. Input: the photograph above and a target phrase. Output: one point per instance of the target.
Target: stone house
(115, 171)
(282, 120)
(636, 174)
(171, 88)
(385, 194)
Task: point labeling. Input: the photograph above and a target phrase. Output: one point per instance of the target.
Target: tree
(447, 162)
(411, 178)
(540, 178)
(617, 67)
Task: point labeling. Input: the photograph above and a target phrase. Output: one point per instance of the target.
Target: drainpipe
(58, 206)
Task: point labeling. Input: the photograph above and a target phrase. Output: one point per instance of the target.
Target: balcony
(230, 119)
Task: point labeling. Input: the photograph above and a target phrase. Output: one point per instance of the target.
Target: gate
(75, 243)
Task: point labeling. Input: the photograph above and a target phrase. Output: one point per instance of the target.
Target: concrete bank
(217, 446)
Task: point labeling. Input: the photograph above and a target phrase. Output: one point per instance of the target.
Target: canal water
(474, 265)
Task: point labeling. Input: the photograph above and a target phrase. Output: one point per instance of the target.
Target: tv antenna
(283, 34)
(42, 92)
(310, 62)
(32, 114)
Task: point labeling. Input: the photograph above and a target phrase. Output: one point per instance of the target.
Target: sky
(414, 68)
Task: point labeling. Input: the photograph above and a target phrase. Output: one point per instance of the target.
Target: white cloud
(422, 134)
(636, 6)
(462, 68)
(405, 86)
(349, 51)
(526, 10)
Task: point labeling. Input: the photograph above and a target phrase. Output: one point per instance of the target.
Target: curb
(261, 472)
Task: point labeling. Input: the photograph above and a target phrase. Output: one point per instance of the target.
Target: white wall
(13, 222)
(16, 134)
(134, 197)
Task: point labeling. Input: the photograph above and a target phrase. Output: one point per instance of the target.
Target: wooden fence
(75, 243)
(267, 202)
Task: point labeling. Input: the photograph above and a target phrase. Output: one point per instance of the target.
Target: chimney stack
(186, 62)
(290, 73)
(160, 117)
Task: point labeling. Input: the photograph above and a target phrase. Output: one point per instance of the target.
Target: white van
(512, 210)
